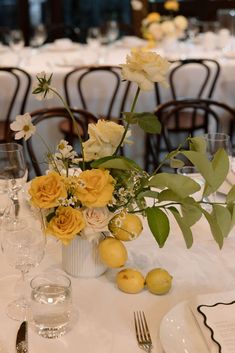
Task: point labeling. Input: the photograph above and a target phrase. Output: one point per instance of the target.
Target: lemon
(158, 281)
(125, 226)
(130, 281)
(112, 252)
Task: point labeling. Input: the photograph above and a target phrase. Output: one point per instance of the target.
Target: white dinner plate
(180, 333)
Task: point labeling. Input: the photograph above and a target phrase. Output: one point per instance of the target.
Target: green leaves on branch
(179, 184)
(146, 121)
(115, 162)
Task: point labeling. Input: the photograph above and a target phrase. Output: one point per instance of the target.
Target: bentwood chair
(211, 112)
(207, 72)
(87, 82)
(48, 134)
(15, 84)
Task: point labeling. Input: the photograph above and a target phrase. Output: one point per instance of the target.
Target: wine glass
(16, 43)
(39, 37)
(13, 169)
(23, 249)
(93, 37)
(215, 141)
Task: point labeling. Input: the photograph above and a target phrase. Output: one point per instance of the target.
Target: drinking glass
(215, 141)
(13, 169)
(93, 37)
(39, 37)
(16, 43)
(193, 173)
(51, 303)
(112, 31)
(23, 249)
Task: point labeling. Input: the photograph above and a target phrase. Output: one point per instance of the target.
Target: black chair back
(211, 114)
(19, 82)
(115, 97)
(46, 120)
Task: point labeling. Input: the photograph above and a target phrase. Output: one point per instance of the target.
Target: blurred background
(72, 18)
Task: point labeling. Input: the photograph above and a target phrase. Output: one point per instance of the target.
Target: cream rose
(46, 190)
(66, 224)
(181, 22)
(104, 138)
(168, 28)
(97, 220)
(95, 188)
(156, 30)
(145, 68)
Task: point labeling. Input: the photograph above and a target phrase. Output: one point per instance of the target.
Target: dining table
(105, 315)
(62, 56)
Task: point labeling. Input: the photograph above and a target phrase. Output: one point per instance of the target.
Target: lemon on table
(130, 281)
(158, 281)
(112, 252)
(125, 226)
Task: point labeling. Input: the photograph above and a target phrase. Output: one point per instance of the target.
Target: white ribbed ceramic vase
(80, 258)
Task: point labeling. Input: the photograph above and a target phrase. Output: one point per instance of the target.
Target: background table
(105, 322)
(59, 60)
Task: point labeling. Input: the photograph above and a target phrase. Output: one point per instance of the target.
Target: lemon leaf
(181, 185)
(215, 229)
(114, 162)
(158, 224)
(223, 218)
(185, 229)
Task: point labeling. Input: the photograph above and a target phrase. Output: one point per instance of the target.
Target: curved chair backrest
(20, 83)
(115, 97)
(209, 111)
(49, 133)
(210, 69)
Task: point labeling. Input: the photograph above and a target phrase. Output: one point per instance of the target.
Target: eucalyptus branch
(74, 123)
(128, 124)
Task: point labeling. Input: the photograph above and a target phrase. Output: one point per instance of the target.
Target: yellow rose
(104, 137)
(66, 223)
(171, 5)
(145, 68)
(46, 190)
(95, 188)
(153, 17)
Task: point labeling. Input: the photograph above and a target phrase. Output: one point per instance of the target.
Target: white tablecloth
(105, 323)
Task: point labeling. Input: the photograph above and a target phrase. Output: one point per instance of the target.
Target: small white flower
(24, 127)
(42, 87)
(64, 148)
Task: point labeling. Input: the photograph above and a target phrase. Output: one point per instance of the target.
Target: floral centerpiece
(103, 193)
(156, 28)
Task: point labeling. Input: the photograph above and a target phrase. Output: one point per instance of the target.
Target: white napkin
(211, 299)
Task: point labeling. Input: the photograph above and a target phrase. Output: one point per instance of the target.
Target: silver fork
(142, 332)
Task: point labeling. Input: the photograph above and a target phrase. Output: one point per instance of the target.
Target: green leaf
(220, 165)
(215, 229)
(149, 193)
(50, 216)
(201, 162)
(191, 213)
(185, 229)
(231, 209)
(149, 123)
(158, 224)
(131, 118)
(197, 144)
(231, 195)
(180, 184)
(176, 163)
(115, 162)
(223, 218)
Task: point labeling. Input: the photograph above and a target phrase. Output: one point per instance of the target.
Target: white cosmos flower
(24, 127)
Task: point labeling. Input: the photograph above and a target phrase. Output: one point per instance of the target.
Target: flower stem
(128, 124)
(49, 150)
(74, 123)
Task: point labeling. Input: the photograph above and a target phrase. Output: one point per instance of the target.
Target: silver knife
(22, 338)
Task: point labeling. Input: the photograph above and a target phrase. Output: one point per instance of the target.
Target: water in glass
(51, 305)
